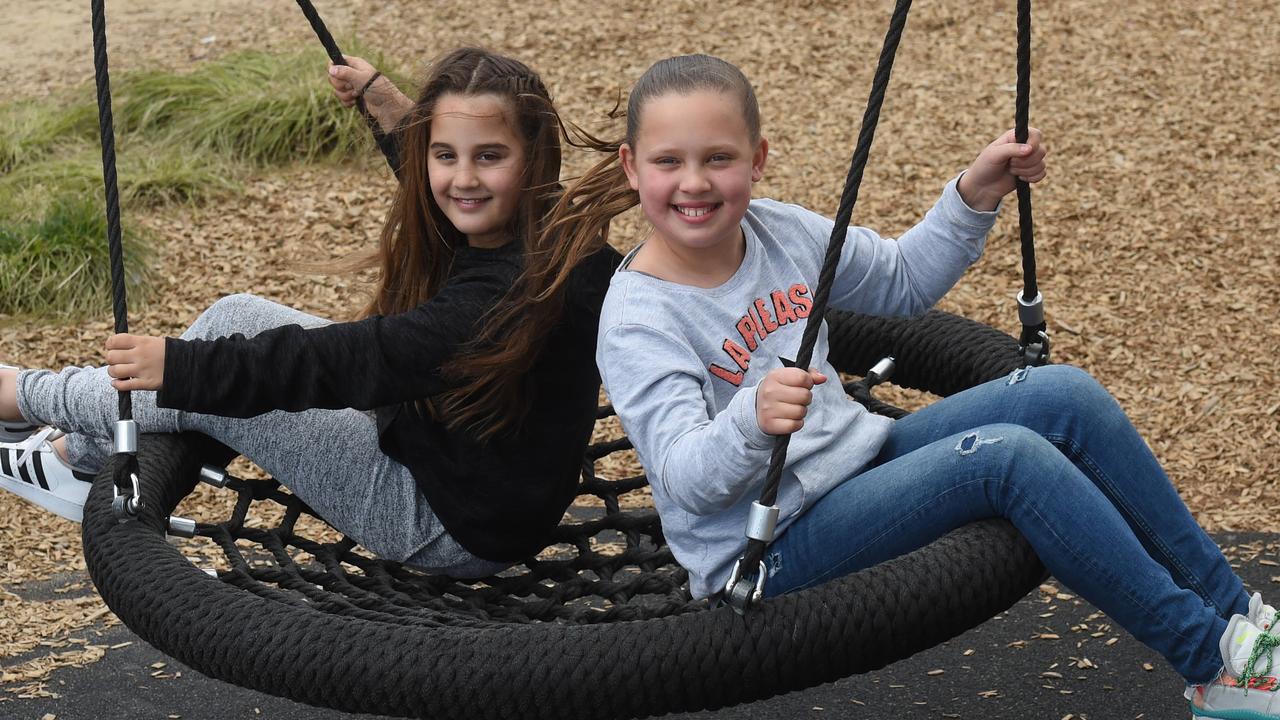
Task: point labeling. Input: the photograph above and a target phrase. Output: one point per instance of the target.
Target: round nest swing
(591, 633)
(600, 626)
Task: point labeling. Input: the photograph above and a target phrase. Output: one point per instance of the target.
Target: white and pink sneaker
(1246, 689)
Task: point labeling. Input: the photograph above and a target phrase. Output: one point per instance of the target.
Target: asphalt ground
(1051, 656)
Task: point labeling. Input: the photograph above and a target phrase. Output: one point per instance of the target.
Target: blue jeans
(1050, 450)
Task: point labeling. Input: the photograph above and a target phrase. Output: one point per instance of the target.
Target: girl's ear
(758, 160)
(628, 159)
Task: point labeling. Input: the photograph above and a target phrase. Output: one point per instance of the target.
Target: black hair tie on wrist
(376, 74)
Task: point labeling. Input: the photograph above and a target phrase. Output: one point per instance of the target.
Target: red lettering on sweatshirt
(782, 308)
(757, 324)
(766, 321)
(803, 304)
(747, 330)
(735, 351)
(733, 378)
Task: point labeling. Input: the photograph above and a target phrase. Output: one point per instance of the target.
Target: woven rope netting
(606, 564)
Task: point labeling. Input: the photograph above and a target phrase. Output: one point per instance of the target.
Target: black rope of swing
(119, 301)
(1022, 110)
(750, 562)
(106, 128)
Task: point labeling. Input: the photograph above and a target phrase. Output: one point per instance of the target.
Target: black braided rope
(115, 245)
(755, 549)
(1026, 230)
(322, 623)
(848, 198)
(1022, 111)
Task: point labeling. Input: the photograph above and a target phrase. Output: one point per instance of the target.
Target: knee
(1006, 444)
(236, 305)
(1069, 387)
(226, 315)
(1020, 461)
(1072, 377)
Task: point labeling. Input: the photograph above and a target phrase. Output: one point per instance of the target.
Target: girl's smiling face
(693, 163)
(476, 164)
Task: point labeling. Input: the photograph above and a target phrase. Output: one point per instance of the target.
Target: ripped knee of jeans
(970, 443)
(1018, 375)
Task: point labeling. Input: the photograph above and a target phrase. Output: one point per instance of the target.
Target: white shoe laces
(37, 442)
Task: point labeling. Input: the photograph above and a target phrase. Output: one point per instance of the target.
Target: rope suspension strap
(746, 583)
(385, 144)
(128, 498)
(1034, 341)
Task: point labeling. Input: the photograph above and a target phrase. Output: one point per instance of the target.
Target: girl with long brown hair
(476, 352)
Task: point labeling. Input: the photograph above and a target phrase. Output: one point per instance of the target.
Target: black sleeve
(589, 283)
(370, 363)
(389, 144)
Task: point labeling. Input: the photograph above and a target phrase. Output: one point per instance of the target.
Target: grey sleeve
(704, 464)
(907, 276)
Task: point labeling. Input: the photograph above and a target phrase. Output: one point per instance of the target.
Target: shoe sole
(55, 504)
(1228, 714)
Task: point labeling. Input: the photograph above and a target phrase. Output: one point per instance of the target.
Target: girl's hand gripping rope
(783, 398)
(992, 174)
(360, 79)
(136, 362)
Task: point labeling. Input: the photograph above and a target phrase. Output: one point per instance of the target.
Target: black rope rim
(377, 662)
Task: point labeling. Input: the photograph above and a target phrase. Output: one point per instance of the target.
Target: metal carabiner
(741, 591)
(127, 506)
(1037, 353)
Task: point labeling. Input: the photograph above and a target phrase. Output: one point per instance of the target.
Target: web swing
(591, 632)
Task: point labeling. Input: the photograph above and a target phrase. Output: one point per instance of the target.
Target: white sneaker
(1261, 614)
(15, 430)
(1246, 687)
(32, 470)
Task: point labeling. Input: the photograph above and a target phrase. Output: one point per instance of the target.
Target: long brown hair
(487, 392)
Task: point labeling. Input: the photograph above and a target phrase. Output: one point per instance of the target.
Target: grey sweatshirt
(681, 365)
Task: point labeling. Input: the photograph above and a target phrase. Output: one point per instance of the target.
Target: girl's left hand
(136, 361)
(992, 174)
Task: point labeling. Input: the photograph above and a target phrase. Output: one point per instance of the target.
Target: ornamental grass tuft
(180, 138)
(49, 267)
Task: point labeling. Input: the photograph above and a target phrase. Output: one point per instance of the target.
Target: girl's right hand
(347, 81)
(135, 362)
(783, 398)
